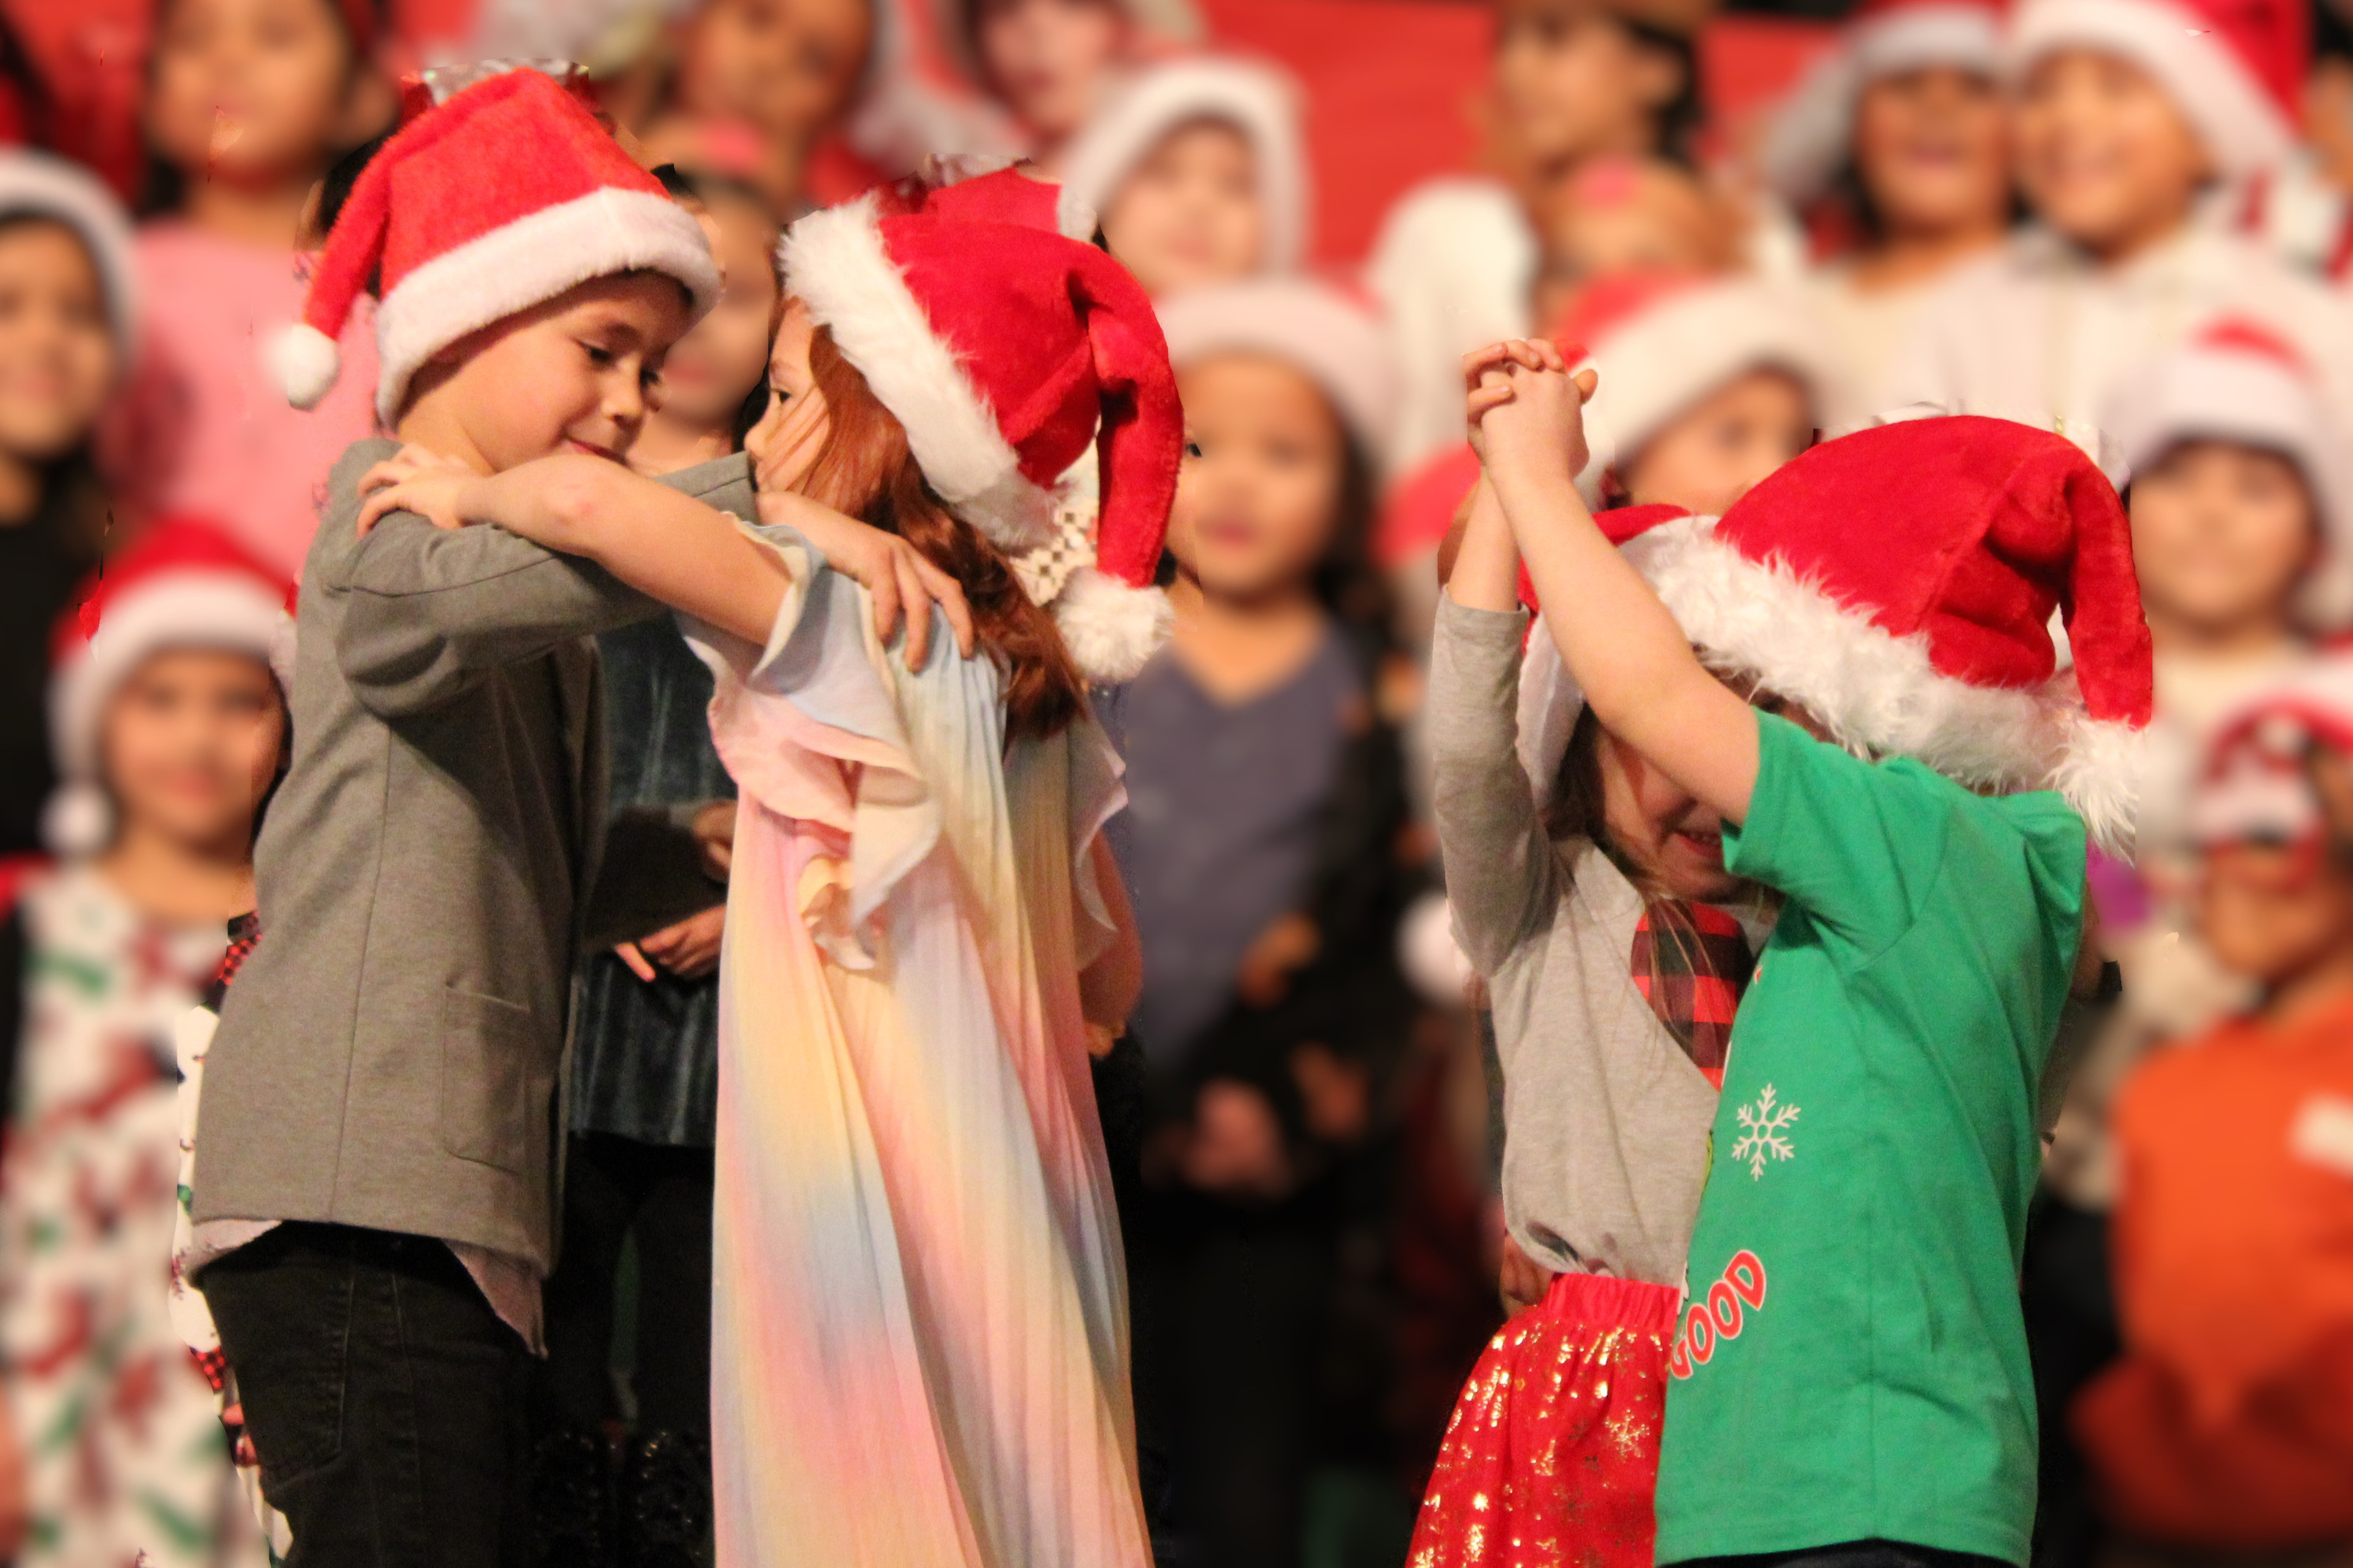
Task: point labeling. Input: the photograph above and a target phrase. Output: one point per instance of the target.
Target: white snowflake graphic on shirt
(1763, 1133)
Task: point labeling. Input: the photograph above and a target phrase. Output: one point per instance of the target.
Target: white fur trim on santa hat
(1877, 694)
(835, 264)
(186, 608)
(2214, 393)
(1256, 101)
(1669, 357)
(528, 262)
(35, 184)
(2244, 130)
(1111, 628)
(1339, 345)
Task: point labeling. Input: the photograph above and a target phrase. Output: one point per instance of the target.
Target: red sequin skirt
(1552, 1457)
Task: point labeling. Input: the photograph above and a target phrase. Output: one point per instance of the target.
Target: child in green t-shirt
(1851, 1376)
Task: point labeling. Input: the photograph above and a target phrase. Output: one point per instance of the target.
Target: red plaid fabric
(243, 933)
(1692, 963)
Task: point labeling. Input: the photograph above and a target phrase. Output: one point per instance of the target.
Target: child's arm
(1625, 651)
(1500, 866)
(670, 546)
(1486, 565)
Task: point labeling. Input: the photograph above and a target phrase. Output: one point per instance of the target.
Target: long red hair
(866, 468)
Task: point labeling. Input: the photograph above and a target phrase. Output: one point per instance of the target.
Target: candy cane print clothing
(920, 1323)
(125, 1459)
(1852, 1331)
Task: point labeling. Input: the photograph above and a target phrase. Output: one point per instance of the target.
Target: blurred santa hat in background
(2237, 381)
(185, 585)
(2234, 68)
(1258, 101)
(1810, 139)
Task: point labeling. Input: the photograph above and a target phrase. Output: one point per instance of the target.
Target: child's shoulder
(1913, 788)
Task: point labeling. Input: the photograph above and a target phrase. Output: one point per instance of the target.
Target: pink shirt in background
(204, 428)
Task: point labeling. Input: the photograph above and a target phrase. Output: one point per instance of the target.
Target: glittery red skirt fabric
(1552, 1454)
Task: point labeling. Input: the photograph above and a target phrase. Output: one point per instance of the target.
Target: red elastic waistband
(1602, 1301)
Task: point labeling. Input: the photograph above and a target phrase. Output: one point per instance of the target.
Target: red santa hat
(983, 187)
(1898, 583)
(498, 200)
(36, 185)
(1812, 135)
(1333, 339)
(1256, 101)
(2234, 68)
(2237, 382)
(184, 584)
(1004, 350)
(1661, 344)
(2255, 780)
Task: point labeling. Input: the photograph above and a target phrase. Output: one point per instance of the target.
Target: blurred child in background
(171, 722)
(1617, 215)
(1196, 175)
(2225, 1432)
(249, 102)
(2123, 119)
(1706, 388)
(1053, 63)
(1599, 893)
(644, 1047)
(757, 85)
(2242, 501)
(68, 324)
(1264, 800)
(1457, 258)
(1898, 137)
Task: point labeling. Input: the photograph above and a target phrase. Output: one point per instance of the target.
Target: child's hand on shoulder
(894, 573)
(1526, 412)
(416, 481)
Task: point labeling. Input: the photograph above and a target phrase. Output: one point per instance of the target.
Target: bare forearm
(1487, 567)
(1626, 652)
(666, 545)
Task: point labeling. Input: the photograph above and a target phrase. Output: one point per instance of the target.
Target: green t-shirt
(1852, 1362)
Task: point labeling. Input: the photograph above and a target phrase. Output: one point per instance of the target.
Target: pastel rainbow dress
(920, 1348)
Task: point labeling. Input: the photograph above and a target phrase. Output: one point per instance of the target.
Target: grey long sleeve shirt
(1605, 1119)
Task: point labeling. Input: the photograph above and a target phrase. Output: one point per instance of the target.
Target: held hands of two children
(1526, 412)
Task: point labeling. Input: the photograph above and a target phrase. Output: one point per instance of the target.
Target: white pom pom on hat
(306, 361)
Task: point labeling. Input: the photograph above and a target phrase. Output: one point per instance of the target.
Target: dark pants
(384, 1397)
(615, 1187)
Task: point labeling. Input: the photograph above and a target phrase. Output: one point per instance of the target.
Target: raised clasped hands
(417, 481)
(1526, 411)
